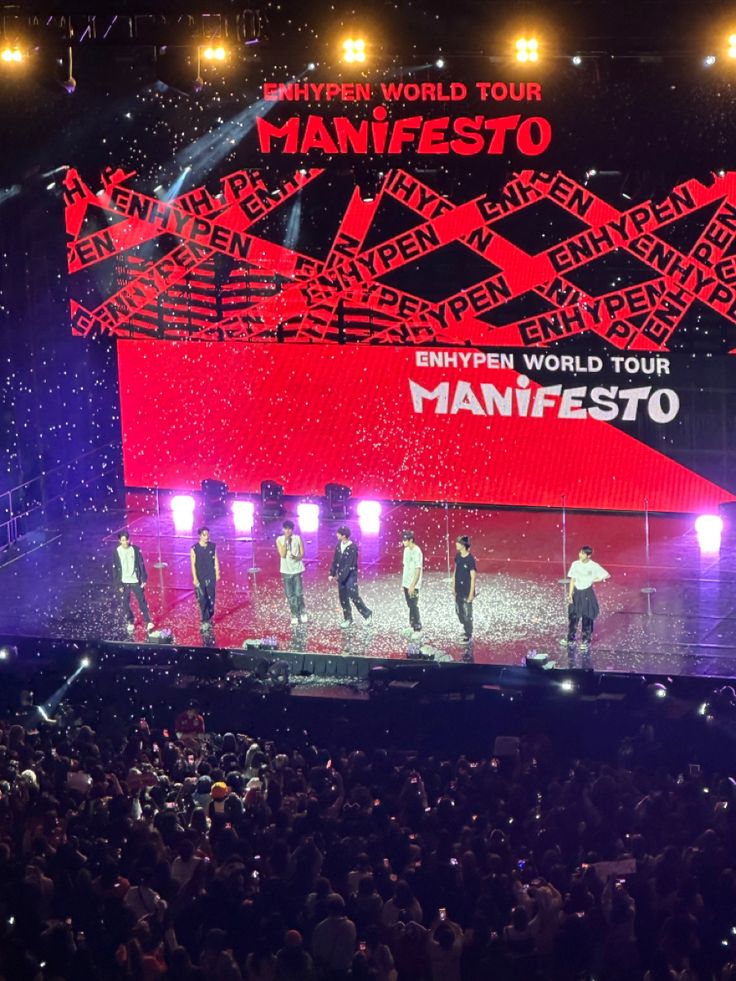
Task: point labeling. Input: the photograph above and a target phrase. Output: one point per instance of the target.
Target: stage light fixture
(308, 516)
(214, 53)
(8, 652)
(85, 663)
(11, 55)
(440, 63)
(311, 66)
(708, 528)
(243, 515)
(369, 517)
(577, 60)
(709, 61)
(353, 50)
(567, 685)
(732, 46)
(182, 512)
(527, 49)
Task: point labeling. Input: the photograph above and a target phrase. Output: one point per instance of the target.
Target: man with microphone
(291, 552)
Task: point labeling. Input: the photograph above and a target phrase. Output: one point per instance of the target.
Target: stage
(59, 587)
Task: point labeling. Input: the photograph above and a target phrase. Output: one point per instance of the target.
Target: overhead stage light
(440, 63)
(709, 61)
(527, 49)
(577, 60)
(214, 53)
(353, 49)
(732, 46)
(11, 55)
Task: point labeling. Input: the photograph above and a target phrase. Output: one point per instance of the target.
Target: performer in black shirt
(344, 568)
(465, 573)
(205, 573)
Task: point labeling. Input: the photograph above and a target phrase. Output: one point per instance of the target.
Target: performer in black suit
(344, 568)
(129, 576)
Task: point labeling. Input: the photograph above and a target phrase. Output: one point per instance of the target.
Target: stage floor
(61, 588)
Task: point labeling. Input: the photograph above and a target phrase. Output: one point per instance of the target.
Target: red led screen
(398, 423)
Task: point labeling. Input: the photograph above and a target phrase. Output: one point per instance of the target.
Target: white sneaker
(130, 627)
(304, 618)
(150, 628)
(294, 621)
(368, 620)
(346, 624)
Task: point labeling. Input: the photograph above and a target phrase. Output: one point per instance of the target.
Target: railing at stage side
(56, 493)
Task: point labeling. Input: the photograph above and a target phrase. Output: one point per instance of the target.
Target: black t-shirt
(204, 561)
(463, 566)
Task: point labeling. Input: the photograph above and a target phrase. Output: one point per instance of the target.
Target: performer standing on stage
(205, 574)
(411, 579)
(344, 568)
(291, 549)
(129, 576)
(583, 604)
(464, 585)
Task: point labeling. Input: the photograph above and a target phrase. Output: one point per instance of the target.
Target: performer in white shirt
(583, 604)
(129, 576)
(291, 550)
(411, 579)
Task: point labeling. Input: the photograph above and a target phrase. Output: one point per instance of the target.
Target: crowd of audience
(190, 855)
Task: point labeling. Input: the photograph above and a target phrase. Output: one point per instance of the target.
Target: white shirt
(127, 563)
(290, 566)
(586, 573)
(413, 560)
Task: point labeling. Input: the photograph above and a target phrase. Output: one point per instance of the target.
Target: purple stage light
(243, 514)
(369, 517)
(708, 528)
(308, 516)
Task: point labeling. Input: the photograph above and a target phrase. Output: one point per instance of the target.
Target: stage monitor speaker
(338, 497)
(272, 497)
(214, 495)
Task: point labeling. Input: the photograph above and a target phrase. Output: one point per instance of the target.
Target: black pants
(206, 599)
(412, 602)
(137, 590)
(464, 612)
(348, 592)
(572, 619)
